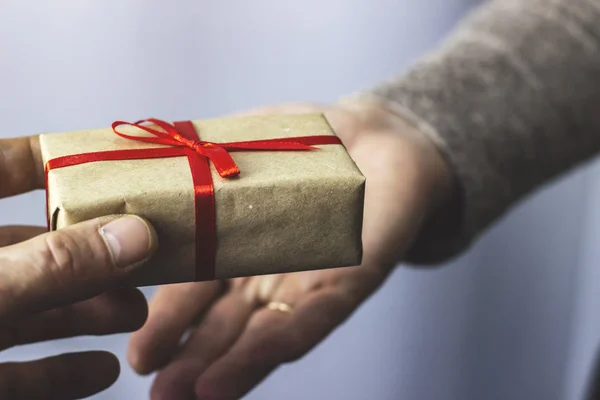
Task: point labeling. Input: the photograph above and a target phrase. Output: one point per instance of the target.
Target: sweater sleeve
(512, 98)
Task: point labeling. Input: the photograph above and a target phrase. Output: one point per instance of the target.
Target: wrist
(435, 170)
(427, 173)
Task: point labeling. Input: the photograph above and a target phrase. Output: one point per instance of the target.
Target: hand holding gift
(243, 329)
(62, 284)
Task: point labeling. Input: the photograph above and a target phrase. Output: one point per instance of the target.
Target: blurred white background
(512, 319)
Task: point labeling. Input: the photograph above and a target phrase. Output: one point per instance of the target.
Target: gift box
(228, 197)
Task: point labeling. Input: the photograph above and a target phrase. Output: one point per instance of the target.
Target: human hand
(236, 341)
(54, 285)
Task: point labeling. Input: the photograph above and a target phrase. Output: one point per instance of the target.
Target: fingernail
(128, 239)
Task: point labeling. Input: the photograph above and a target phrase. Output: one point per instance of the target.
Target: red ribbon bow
(182, 140)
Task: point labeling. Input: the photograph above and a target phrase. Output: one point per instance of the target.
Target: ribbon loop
(218, 153)
(170, 136)
(222, 160)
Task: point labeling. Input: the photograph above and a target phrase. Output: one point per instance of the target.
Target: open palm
(234, 340)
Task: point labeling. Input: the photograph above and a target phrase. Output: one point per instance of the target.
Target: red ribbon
(182, 140)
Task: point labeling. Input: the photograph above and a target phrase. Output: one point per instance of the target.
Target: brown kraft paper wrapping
(287, 211)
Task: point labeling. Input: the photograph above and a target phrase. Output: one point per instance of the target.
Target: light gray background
(513, 319)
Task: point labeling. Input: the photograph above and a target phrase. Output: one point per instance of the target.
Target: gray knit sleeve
(512, 98)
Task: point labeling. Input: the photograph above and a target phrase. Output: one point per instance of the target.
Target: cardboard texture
(287, 211)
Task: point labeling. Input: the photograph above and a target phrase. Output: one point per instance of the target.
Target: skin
(235, 342)
(58, 285)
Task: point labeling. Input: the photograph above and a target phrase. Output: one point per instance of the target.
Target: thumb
(74, 263)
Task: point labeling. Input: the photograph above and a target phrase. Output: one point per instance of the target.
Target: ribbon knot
(180, 134)
(197, 147)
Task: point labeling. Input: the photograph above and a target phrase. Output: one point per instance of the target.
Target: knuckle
(64, 253)
(58, 254)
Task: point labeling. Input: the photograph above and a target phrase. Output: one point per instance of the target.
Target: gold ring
(279, 306)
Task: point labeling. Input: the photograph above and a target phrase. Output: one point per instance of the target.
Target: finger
(21, 168)
(71, 264)
(68, 376)
(15, 234)
(120, 311)
(173, 309)
(270, 339)
(217, 332)
(292, 288)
